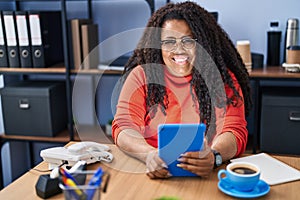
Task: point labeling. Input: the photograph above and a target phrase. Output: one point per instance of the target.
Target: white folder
(11, 39)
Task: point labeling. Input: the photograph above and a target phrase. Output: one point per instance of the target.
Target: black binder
(3, 50)
(23, 39)
(46, 38)
(11, 39)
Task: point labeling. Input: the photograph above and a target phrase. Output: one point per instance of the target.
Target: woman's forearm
(226, 145)
(133, 143)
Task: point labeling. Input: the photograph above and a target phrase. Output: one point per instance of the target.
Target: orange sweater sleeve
(131, 108)
(234, 120)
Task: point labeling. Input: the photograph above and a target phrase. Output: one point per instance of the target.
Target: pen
(70, 183)
(67, 175)
(96, 182)
(97, 177)
(106, 182)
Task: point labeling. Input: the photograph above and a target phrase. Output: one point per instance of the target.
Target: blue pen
(95, 181)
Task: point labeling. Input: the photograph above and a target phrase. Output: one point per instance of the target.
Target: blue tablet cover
(175, 139)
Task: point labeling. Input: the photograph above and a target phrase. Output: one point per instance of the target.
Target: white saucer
(262, 188)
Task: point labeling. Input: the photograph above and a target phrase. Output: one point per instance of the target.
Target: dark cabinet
(280, 120)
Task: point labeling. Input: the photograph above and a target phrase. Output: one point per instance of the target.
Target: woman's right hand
(156, 167)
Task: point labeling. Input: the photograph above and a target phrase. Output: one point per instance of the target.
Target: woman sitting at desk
(185, 69)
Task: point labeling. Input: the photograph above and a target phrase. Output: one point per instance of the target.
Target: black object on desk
(47, 187)
(273, 45)
(257, 60)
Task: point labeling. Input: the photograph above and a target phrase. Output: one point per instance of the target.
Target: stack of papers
(109, 67)
(291, 67)
(273, 171)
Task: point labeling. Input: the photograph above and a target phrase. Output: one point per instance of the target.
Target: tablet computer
(175, 139)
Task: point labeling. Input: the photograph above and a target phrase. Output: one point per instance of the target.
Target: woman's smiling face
(179, 60)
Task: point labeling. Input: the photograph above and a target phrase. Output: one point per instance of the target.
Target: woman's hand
(199, 162)
(156, 167)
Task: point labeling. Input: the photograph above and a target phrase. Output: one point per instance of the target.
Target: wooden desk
(273, 72)
(128, 181)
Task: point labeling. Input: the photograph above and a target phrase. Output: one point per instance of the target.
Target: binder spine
(36, 40)
(46, 38)
(89, 39)
(23, 39)
(11, 39)
(3, 49)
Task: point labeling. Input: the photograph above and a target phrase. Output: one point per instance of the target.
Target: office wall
(116, 17)
(251, 19)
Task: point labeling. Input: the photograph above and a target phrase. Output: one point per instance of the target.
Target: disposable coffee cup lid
(242, 42)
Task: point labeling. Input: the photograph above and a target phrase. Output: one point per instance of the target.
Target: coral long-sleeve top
(131, 110)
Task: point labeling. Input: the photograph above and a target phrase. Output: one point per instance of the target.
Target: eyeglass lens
(171, 44)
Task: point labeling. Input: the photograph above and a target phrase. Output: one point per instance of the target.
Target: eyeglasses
(171, 44)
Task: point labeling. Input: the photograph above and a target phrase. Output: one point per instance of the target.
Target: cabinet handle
(294, 116)
(24, 104)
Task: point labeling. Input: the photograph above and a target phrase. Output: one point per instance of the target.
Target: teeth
(180, 59)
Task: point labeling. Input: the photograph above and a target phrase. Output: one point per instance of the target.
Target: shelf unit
(59, 69)
(64, 68)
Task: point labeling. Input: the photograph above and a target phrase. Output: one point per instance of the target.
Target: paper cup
(243, 47)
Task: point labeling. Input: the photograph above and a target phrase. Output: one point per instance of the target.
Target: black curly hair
(212, 39)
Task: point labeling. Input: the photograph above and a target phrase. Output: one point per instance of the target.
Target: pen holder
(84, 190)
(81, 192)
